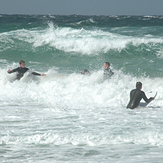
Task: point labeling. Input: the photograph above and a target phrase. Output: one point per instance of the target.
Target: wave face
(67, 116)
(79, 42)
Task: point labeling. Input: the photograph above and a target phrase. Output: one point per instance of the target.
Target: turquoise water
(65, 116)
(133, 44)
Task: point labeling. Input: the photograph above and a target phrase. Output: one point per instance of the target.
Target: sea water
(68, 117)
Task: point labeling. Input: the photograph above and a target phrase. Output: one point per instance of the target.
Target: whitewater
(68, 117)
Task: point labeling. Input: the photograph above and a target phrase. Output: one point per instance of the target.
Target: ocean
(68, 117)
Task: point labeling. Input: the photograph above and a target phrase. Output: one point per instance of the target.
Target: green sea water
(132, 44)
(68, 117)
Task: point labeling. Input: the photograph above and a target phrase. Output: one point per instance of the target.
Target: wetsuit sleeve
(35, 73)
(112, 73)
(145, 98)
(14, 70)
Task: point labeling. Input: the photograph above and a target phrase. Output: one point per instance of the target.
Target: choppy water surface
(68, 117)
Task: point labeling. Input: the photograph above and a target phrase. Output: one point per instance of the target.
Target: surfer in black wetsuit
(136, 95)
(107, 71)
(22, 70)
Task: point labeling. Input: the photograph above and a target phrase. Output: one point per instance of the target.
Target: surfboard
(150, 94)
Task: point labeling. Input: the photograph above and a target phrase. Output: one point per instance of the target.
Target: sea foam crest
(88, 42)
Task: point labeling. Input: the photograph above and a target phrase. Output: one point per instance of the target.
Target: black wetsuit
(21, 71)
(108, 73)
(135, 97)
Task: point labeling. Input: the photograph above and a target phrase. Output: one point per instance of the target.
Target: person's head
(85, 71)
(22, 63)
(139, 85)
(106, 65)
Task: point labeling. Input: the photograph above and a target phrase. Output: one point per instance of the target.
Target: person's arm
(110, 72)
(14, 70)
(37, 74)
(146, 99)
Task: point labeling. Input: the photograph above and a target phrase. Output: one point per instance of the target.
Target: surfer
(22, 70)
(85, 72)
(136, 95)
(107, 71)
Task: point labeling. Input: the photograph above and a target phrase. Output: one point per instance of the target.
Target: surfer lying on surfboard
(136, 95)
(22, 70)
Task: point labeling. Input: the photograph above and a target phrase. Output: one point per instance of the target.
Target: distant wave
(87, 42)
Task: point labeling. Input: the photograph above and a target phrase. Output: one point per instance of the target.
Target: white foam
(72, 111)
(75, 90)
(88, 42)
(160, 53)
(88, 139)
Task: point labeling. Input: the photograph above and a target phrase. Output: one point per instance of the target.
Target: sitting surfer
(85, 72)
(22, 70)
(107, 71)
(136, 95)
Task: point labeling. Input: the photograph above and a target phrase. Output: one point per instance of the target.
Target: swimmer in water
(107, 71)
(22, 70)
(85, 72)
